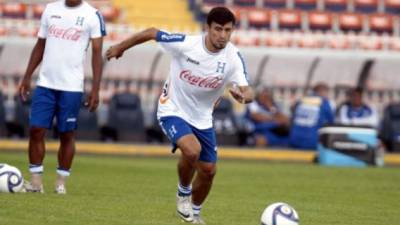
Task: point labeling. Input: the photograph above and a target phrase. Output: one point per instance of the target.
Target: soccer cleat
(198, 220)
(184, 208)
(60, 189)
(28, 187)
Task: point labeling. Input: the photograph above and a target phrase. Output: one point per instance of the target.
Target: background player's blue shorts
(47, 103)
(175, 128)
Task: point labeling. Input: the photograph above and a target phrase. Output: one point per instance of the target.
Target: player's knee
(208, 172)
(37, 134)
(67, 136)
(191, 152)
(191, 155)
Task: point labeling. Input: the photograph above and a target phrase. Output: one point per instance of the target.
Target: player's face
(220, 35)
(356, 99)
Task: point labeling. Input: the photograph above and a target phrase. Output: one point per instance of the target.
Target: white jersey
(197, 78)
(67, 31)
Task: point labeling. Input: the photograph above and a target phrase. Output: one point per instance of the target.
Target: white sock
(196, 209)
(184, 191)
(36, 175)
(62, 176)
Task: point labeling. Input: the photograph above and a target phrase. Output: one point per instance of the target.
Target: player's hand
(24, 89)
(92, 102)
(237, 94)
(114, 51)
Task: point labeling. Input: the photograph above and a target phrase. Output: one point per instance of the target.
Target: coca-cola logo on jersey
(71, 33)
(213, 82)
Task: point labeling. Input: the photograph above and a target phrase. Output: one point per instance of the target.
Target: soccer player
(356, 112)
(309, 115)
(201, 68)
(67, 27)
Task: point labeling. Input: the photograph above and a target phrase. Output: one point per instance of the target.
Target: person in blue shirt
(355, 112)
(269, 125)
(309, 115)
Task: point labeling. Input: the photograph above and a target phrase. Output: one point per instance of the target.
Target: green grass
(139, 191)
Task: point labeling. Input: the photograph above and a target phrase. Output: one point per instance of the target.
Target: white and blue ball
(11, 179)
(279, 214)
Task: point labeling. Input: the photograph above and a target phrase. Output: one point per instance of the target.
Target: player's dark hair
(356, 90)
(320, 87)
(220, 15)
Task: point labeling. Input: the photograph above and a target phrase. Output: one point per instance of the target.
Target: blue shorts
(47, 103)
(175, 128)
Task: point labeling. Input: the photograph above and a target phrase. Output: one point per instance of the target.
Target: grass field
(113, 190)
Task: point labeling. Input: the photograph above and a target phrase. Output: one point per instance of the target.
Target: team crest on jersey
(79, 20)
(221, 67)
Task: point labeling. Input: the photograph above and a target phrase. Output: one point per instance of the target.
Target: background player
(65, 31)
(201, 68)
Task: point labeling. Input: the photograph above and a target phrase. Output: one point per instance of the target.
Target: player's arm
(136, 39)
(97, 67)
(34, 60)
(242, 94)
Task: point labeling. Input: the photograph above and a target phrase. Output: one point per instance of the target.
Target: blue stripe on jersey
(166, 37)
(102, 24)
(244, 65)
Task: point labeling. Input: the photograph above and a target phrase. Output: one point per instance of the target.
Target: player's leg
(41, 118)
(190, 148)
(180, 134)
(206, 170)
(68, 105)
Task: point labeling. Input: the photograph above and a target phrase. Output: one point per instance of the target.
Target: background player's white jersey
(197, 78)
(67, 31)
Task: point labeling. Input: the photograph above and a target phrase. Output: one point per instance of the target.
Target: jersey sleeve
(171, 43)
(239, 74)
(42, 33)
(98, 27)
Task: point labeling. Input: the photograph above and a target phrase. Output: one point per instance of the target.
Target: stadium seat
(259, 18)
(366, 6)
(37, 10)
(109, 12)
(392, 6)
(278, 40)
(369, 42)
(309, 41)
(339, 42)
(381, 23)
(394, 44)
(335, 5)
(3, 31)
(319, 20)
(275, 4)
(244, 3)
(305, 4)
(349, 21)
(225, 124)
(390, 130)
(289, 19)
(14, 10)
(126, 117)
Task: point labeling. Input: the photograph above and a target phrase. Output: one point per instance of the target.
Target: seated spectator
(270, 125)
(310, 114)
(355, 112)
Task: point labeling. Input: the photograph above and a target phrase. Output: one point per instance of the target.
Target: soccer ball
(279, 214)
(11, 180)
